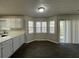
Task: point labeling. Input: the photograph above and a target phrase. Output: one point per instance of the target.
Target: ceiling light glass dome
(41, 9)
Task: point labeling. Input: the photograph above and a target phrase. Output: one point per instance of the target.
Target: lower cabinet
(21, 39)
(16, 43)
(7, 49)
(0, 51)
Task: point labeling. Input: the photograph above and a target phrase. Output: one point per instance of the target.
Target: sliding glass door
(69, 31)
(62, 32)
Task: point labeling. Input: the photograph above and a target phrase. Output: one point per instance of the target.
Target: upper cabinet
(11, 22)
(4, 24)
(16, 23)
(0, 50)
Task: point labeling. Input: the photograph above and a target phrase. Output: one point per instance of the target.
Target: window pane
(38, 27)
(30, 27)
(62, 31)
(44, 30)
(51, 30)
(30, 30)
(30, 23)
(52, 23)
(52, 26)
(44, 24)
(38, 30)
(38, 24)
(44, 27)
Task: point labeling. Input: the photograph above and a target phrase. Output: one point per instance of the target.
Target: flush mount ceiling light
(41, 9)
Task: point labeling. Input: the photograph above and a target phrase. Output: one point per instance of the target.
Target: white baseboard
(53, 41)
(41, 40)
(30, 41)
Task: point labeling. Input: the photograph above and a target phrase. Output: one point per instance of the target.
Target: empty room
(39, 28)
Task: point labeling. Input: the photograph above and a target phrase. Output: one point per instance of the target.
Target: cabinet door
(16, 44)
(7, 49)
(18, 23)
(12, 23)
(0, 51)
(21, 39)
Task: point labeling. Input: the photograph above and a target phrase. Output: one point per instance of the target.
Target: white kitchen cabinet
(16, 23)
(19, 23)
(22, 39)
(16, 44)
(4, 24)
(7, 49)
(0, 51)
(11, 22)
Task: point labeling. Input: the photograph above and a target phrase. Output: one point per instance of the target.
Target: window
(38, 27)
(30, 26)
(41, 27)
(52, 27)
(44, 27)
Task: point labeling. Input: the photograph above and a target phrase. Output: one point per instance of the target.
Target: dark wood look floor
(46, 49)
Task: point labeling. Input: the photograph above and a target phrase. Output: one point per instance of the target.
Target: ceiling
(29, 7)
